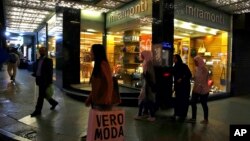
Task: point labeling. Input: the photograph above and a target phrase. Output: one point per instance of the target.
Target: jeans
(203, 99)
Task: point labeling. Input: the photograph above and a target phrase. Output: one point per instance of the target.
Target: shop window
(124, 55)
(212, 47)
(86, 64)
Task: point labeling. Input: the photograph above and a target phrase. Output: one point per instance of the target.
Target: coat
(46, 73)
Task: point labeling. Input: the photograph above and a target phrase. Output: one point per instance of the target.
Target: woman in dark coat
(182, 76)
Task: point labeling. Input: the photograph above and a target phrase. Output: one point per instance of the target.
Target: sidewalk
(69, 121)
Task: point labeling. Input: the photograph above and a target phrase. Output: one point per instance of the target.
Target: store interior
(123, 50)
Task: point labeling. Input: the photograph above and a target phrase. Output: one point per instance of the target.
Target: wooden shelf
(132, 52)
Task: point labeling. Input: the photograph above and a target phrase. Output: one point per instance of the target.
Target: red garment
(102, 86)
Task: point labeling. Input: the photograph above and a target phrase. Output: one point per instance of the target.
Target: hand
(87, 102)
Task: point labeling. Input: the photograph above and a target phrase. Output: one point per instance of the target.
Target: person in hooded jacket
(200, 89)
(147, 94)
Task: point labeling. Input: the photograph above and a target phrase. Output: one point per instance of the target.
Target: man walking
(43, 71)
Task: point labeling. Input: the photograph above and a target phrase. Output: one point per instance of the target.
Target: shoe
(204, 121)
(35, 114)
(138, 117)
(151, 119)
(53, 106)
(182, 119)
(173, 118)
(192, 120)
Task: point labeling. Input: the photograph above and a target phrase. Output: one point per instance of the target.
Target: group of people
(182, 76)
(103, 95)
(182, 87)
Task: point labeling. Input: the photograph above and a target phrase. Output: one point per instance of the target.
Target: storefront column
(71, 47)
(240, 57)
(2, 26)
(163, 24)
(162, 40)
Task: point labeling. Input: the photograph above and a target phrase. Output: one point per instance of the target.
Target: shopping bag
(106, 125)
(49, 92)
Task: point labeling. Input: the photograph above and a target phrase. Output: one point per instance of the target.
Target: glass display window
(124, 49)
(209, 43)
(86, 63)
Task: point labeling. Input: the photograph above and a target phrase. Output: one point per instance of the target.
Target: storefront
(126, 32)
(198, 30)
(203, 31)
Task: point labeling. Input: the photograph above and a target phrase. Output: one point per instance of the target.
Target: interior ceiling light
(27, 15)
(110, 3)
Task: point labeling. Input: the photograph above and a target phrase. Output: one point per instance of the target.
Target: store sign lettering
(204, 14)
(140, 7)
(109, 127)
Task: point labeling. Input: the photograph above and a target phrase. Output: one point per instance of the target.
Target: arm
(107, 78)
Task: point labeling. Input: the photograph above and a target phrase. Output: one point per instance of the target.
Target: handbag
(223, 76)
(202, 48)
(49, 92)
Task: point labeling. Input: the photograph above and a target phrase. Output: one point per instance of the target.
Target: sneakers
(54, 106)
(151, 119)
(138, 117)
(192, 120)
(204, 121)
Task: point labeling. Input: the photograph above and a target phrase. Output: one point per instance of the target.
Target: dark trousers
(203, 99)
(41, 96)
(181, 106)
(147, 105)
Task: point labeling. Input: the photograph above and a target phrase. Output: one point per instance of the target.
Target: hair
(178, 57)
(99, 53)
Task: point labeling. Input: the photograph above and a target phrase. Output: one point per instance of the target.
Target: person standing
(43, 71)
(147, 94)
(182, 76)
(13, 63)
(101, 96)
(200, 89)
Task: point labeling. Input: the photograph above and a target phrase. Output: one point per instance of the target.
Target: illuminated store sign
(200, 14)
(142, 6)
(132, 11)
(204, 14)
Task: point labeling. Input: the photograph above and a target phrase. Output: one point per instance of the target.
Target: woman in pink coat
(200, 89)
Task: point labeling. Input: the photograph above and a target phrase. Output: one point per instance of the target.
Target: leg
(14, 71)
(204, 106)
(52, 102)
(151, 108)
(9, 69)
(39, 104)
(141, 106)
(184, 109)
(194, 101)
